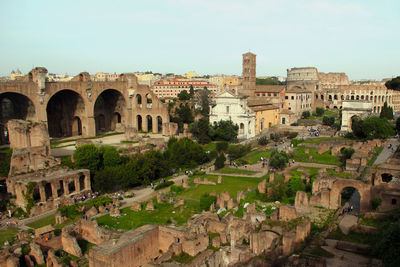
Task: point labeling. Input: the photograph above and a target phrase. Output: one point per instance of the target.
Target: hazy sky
(359, 37)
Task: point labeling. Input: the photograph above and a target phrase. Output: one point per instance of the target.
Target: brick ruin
(33, 171)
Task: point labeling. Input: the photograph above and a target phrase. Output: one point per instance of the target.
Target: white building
(232, 107)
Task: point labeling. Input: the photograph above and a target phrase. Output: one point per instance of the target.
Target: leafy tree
(87, 157)
(398, 124)
(295, 184)
(225, 130)
(184, 95)
(220, 161)
(5, 159)
(375, 203)
(393, 83)
(330, 121)
(386, 112)
(185, 114)
(375, 127)
(277, 189)
(319, 111)
(204, 101)
(237, 151)
(278, 160)
(305, 114)
(356, 127)
(185, 153)
(201, 130)
(106, 180)
(268, 81)
(111, 157)
(346, 154)
(387, 245)
(222, 146)
(191, 91)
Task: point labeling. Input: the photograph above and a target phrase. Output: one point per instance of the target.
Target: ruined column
(54, 190)
(42, 193)
(77, 185)
(87, 183)
(66, 189)
(155, 124)
(145, 125)
(90, 128)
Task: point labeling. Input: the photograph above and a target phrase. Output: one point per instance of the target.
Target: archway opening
(241, 129)
(139, 123)
(111, 104)
(138, 99)
(387, 177)
(82, 182)
(350, 200)
(76, 126)
(71, 187)
(36, 194)
(149, 123)
(159, 124)
(14, 106)
(60, 190)
(64, 110)
(48, 191)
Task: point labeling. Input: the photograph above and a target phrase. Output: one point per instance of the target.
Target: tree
(191, 91)
(184, 95)
(278, 160)
(263, 140)
(185, 153)
(387, 245)
(375, 127)
(305, 114)
(225, 131)
(237, 151)
(87, 157)
(185, 114)
(346, 154)
(393, 83)
(268, 81)
(356, 127)
(111, 157)
(204, 101)
(330, 121)
(201, 130)
(277, 189)
(222, 146)
(386, 112)
(319, 111)
(220, 161)
(398, 125)
(295, 184)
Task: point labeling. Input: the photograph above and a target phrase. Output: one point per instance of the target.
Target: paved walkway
(387, 152)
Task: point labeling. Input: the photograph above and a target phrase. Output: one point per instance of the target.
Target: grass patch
(354, 237)
(254, 156)
(236, 171)
(320, 252)
(183, 258)
(42, 222)
(8, 235)
(345, 175)
(231, 184)
(128, 142)
(163, 214)
(324, 158)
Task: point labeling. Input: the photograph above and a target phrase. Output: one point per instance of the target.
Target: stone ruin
(31, 147)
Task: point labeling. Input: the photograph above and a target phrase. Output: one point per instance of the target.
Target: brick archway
(338, 186)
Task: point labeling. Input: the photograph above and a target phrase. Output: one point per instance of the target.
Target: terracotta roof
(270, 88)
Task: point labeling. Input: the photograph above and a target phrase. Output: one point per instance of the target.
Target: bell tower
(249, 73)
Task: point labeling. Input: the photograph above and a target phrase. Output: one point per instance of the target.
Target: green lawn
(254, 156)
(236, 171)
(8, 234)
(42, 222)
(345, 175)
(163, 214)
(229, 183)
(324, 158)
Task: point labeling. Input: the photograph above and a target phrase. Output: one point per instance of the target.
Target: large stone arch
(111, 105)
(66, 114)
(351, 109)
(14, 106)
(338, 186)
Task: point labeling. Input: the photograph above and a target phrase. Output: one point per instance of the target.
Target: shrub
(70, 212)
(305, 114)
(346, 154)
(206, 201)
(376, 202)
(263, 140)
(220, 161)
(330, 121)
(237, 151)
(278, 160)
(319, 111)
(163, 185)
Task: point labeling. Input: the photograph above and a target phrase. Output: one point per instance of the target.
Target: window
(394, 201)
(227, 109)
(275, 94)
(292, 97)
(286, 97)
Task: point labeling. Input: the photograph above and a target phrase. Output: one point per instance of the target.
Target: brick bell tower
(249, 73)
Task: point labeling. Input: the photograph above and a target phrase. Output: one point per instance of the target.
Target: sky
(358, 37)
